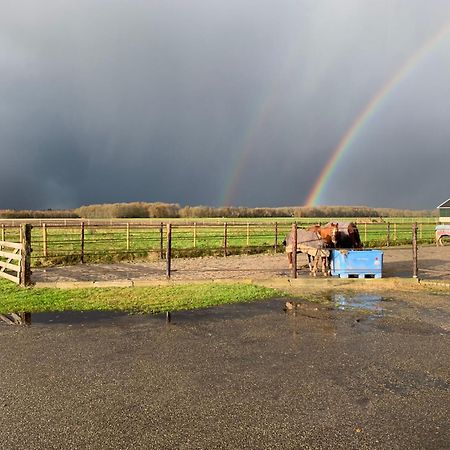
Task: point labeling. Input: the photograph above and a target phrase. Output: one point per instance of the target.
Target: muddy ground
(338, 370)
(434, 263)
(358, 371)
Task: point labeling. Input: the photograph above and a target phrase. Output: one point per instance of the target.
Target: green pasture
(139, 239)
(137, 300)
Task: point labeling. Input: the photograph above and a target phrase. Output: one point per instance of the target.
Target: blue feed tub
(357, 263)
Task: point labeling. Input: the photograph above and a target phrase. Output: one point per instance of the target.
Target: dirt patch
(434, 263)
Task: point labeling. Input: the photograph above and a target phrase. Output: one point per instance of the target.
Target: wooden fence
(15, 266)
(164, 242)
(56, 243)
(10, 260)
(15, 261)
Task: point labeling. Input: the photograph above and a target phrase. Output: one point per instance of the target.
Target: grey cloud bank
(105, 101)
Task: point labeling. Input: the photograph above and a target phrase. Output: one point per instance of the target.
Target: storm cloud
(193, 101)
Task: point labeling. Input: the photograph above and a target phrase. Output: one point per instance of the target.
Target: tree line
(174, 210)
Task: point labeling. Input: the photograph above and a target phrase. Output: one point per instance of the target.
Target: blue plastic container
(357, 263)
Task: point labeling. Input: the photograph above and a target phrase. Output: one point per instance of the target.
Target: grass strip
(136, 299)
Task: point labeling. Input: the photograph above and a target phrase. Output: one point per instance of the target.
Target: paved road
(234, 377)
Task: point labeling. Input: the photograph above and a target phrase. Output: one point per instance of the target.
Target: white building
(444, 211)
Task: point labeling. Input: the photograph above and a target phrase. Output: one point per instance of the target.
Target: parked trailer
(442, 233)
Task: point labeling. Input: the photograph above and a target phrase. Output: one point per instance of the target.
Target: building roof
(446, 204)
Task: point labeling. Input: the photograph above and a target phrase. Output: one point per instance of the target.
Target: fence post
(25, 262)
(388, 234)
(82, 242)
(169, 250)
(161, 240)
(128, 237)
(44, 240)
(414, 249)
(365, 233)
(395, 232)
(248, 234)
(3, 235)
(225, 239)
(195, 234)
(276, 238)
(294, 250)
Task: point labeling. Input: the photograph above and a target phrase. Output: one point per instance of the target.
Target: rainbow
(247, 143)
(369, 110)
(247, 146)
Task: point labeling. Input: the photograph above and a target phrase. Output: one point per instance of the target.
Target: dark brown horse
(348, 236)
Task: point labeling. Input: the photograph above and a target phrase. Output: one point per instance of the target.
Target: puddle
(370, 303)
(210, 314)
(76, 317)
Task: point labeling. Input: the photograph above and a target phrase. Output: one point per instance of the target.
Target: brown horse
(313, 242)
(353, 232)
(348, 236)
(328, 233)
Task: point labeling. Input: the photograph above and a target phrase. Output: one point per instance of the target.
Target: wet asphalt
(354, 373)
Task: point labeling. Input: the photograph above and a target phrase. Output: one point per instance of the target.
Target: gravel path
(434, 263)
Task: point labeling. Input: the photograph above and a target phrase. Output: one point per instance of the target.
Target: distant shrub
(42, 214)
(173, 210)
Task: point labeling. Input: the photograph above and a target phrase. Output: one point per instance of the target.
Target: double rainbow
(265, 108)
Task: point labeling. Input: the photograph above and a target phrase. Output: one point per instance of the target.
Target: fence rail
(15, 255)
(10, 261)
(59, 244)
(56, 243)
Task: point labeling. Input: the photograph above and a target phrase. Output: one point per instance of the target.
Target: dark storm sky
(156, 100)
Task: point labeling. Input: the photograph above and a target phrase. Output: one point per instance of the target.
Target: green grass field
(136, 300)
(141, 239)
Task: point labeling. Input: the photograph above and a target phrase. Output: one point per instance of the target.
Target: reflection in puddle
(371, 304)
(366, 302)
(77, 317)
(209, 314)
